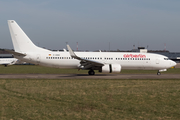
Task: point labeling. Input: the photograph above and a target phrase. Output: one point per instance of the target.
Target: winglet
(71, 51)
(83, 60)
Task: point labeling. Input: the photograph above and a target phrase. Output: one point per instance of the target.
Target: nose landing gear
(158, 73)
(162, 70)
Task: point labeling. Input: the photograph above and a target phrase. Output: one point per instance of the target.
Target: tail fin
(21, 41)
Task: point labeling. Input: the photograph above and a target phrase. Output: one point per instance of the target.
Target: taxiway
(85, 76)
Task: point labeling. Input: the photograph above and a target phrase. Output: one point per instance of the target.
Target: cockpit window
(166, 58)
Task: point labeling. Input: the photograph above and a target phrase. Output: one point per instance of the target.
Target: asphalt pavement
(86, 76)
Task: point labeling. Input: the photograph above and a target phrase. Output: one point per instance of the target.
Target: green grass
(89, 99)
(97, 99)
(33, 69)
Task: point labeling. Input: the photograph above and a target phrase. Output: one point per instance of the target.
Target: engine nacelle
(110, 68)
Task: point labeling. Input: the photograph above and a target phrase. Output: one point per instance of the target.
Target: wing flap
(92, 62)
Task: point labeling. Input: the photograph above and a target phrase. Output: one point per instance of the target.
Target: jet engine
(110, 68)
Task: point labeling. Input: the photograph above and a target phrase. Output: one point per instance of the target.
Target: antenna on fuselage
(77, 46)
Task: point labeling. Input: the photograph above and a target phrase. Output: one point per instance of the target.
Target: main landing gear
(91, 72)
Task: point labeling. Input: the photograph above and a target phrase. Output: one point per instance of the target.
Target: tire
(91, 72)
(158, 73)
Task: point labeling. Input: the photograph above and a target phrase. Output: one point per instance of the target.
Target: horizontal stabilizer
(14, 53)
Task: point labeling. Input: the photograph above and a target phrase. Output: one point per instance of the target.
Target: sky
(94, 24)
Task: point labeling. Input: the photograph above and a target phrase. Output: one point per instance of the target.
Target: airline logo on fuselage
(134, 56)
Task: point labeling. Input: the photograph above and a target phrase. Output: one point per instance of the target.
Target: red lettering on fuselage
(134, 56)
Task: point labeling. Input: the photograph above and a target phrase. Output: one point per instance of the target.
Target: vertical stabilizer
(21, 41)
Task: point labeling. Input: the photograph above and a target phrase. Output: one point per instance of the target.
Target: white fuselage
(127, 60)
(7, 61)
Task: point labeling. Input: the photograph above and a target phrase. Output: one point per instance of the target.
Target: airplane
(106, 62)
(7, 61)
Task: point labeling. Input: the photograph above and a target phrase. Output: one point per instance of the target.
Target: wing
(85, 63)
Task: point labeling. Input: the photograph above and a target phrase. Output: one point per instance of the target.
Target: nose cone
(173, 63)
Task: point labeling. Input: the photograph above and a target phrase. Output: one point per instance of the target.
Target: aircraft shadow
(73, 75)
